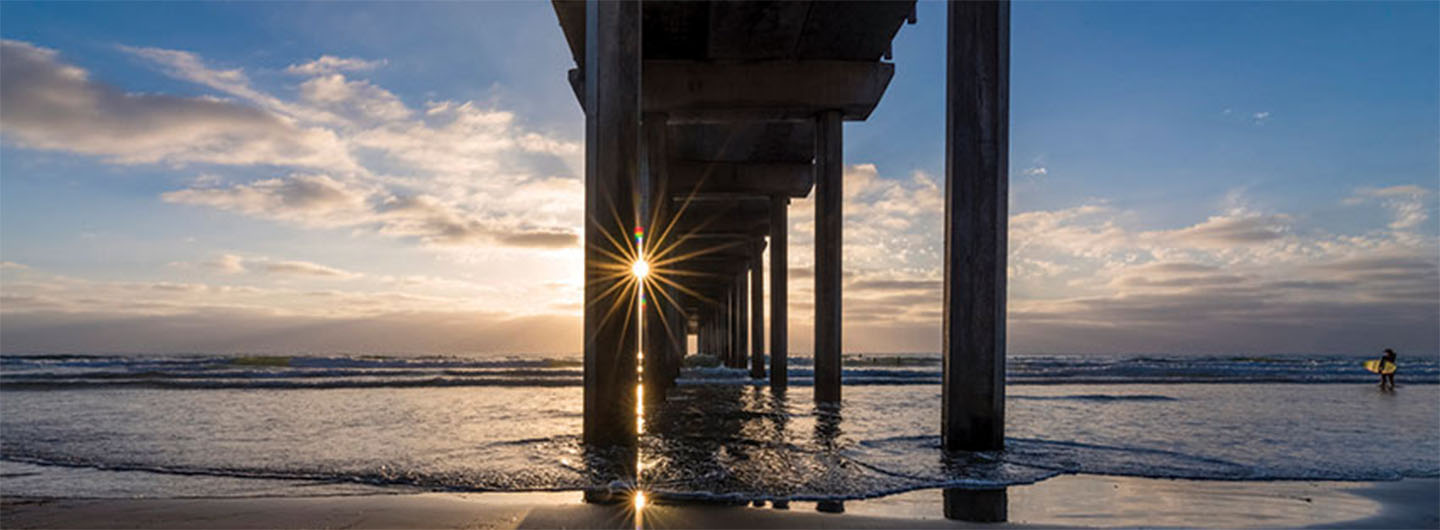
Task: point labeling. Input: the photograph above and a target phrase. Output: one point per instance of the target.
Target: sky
(1186, 178)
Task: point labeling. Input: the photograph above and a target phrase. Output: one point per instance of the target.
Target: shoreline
(1069, 500)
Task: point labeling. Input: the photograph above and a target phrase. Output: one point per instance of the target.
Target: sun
(640, 269)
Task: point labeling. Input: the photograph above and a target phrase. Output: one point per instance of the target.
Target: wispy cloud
(305, 268)
(1409, 205)
(329, 64)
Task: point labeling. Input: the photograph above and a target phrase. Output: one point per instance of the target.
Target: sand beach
(1068, 501)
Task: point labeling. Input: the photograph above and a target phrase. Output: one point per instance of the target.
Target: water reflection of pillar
(777, 410)
(827, 433)
(979, 506)
(827, 426)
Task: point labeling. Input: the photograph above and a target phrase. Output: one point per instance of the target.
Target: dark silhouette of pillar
(742, 313)
(829, 196)
(976, 194)
(978, 506)
(655, 208)
(779, 289)
(757, 313)
(729, 324)
(612, 165)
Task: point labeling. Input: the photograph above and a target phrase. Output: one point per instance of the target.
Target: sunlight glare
(640, 269)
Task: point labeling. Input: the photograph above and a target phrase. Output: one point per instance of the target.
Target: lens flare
(639, 500)
(640, 269)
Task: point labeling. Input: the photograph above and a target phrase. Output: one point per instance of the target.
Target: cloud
(1260, 117)
(323, 201)
(895, 285)
(249, 331)
(55, 106)
(12, 266)
(305, 268)
(329, 64)
(357, 99)
(226, 264)
(1038, 170)
(315, 200)
(41, 312)
(467, 173)
(1226, 231)
(1408, 204)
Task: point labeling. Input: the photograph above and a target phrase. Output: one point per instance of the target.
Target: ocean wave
(44, 372)
(1095, 397)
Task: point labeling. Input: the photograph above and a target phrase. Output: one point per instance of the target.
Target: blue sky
(1186, 178)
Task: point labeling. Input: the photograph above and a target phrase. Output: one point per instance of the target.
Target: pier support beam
(655, 208)
(976, 194)
(757, 313)
(742, 312)
(679, 335)
(829, 195)
(729, 324)
(779, 288)
(707, 333)
(612, 165)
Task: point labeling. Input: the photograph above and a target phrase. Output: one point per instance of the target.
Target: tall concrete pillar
(723, 319)
(829, 195)
(612, 164)
(977, 119)
(705, 336)
(779, 288)
(655, 213)
(722, 327)
(679, 335)
(757, 314)
(742, 312)
(733, 320)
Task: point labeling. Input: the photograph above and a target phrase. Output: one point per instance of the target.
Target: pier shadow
(977, 505)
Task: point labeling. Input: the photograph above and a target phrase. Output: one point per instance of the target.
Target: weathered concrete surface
(757, 313)
(976, 205)
(779, 289)
(612, 165)
(829, 220)
(857, 30)
(757, 179)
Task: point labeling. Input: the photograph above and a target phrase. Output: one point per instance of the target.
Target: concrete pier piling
(829, 196)
(742, 327)
(612, 163)
(977, 74)
(701, 128)
(757, 313)
(779, 289)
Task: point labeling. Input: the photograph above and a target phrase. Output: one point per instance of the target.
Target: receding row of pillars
(624, 166)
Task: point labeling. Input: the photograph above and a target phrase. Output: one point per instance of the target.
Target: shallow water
(110, 427)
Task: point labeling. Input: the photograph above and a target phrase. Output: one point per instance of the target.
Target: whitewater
(206, 425)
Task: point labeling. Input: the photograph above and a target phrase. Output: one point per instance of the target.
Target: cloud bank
(336, 152)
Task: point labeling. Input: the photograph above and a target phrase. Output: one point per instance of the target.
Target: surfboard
(1375, 366)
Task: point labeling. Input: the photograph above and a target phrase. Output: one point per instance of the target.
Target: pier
(702, 121)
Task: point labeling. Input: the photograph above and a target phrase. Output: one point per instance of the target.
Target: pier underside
(703, 120)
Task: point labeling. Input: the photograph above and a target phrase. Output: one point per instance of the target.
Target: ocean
(112, 426)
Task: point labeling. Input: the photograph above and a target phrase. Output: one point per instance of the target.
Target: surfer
(1388, 378)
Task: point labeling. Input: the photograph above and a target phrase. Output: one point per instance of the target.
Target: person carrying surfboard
(1387, 377)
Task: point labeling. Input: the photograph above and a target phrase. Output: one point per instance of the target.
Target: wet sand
(1079, 500)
